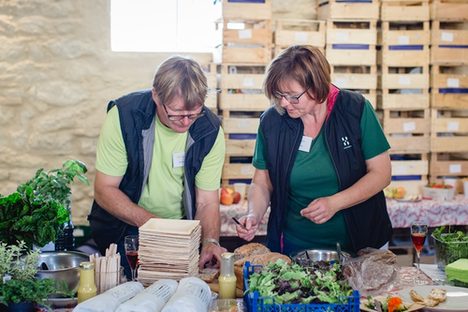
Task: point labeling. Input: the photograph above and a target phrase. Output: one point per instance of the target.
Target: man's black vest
(368, 223)
(137, 113)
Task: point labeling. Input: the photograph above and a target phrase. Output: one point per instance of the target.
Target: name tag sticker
(178, 159)
(306, 143)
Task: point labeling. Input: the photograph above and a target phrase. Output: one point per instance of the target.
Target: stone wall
(57, 74)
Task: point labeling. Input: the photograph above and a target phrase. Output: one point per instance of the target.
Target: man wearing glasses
(160, 155)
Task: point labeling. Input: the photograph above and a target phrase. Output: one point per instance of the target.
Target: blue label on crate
(406, 47)
(355, 1)
(247, 1)
(453, 90)
(453, 46)
(242, 136)
(350, 46)
(406, 178)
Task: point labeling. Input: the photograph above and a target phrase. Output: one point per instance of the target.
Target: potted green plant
(38, 210)
(19, 288)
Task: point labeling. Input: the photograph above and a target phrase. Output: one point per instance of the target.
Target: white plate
(457, 298)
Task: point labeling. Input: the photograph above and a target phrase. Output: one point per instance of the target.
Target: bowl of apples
(439, 191)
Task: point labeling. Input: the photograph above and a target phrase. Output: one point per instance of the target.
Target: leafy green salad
(291, 283)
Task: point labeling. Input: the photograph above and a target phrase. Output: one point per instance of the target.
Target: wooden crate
(352, 32)
(449, 164)
(404, 55)
(232, 170)
(410, 171)
(246, 9)
(346, 55)
(398, 99)
(299, 31)
(212, 80)
(405, 33)
(242, 54)
(241, 88)
(448, 84)
(449, 55)
(354, 77)
(405, 10)
(278, 49)
(407, 122)
(240, 31)
(409, 144)
(449, 130)
(449, 33)
(240, 133)
(334, 9)
(449, 10)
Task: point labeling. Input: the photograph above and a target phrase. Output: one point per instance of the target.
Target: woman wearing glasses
(160, 155)
(320, 161)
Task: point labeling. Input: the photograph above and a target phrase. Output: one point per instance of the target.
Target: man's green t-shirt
(313, 176)
(162, 195)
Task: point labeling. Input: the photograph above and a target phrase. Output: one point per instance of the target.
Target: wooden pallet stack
(351, 43)
(211, 101)
(288, 32)
(449, 98)
(404, 59)
(245, 51)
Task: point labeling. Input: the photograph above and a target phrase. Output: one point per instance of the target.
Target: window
(163, 25)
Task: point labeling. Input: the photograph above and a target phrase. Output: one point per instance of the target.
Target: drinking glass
(418, 236)
(131, 252)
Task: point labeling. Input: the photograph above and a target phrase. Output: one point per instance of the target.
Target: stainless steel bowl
(61, 266)
(314, 255)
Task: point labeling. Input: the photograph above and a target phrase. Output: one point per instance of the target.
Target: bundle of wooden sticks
(106, 269)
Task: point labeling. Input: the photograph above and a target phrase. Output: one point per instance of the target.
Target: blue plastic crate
(255, 303)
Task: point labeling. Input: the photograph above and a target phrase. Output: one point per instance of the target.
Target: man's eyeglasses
(181, 117)
(293, 99)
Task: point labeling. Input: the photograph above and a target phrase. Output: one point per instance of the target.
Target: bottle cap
(87, 265)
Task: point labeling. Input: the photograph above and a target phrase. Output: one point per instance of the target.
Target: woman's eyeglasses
(181, 117)
(293, 99)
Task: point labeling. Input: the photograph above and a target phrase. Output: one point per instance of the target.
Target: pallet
(245, 10)
(351, 32)
(449, 164)
(242, 54)
(340, 55)
(404, 55)
(299, 31)
(333, 9)
(410, 171)
(448, 84)
(405, 10)
(449, 130)
(240, 31)
(405, 33)
(406, 121)
(449, 10)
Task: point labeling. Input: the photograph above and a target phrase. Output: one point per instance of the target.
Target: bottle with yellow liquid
(227, 278)
(86, 288)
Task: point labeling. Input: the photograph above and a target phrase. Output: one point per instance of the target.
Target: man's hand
(210, 255)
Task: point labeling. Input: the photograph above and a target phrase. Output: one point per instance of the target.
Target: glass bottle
(86, 288)
(227, 278)
(65, 239)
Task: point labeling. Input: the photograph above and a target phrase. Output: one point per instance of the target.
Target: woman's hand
(248, 227)
(320, 210)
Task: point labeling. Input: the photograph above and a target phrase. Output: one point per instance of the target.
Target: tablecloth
(402, 214)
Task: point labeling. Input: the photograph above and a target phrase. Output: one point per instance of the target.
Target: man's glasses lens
(180, 117)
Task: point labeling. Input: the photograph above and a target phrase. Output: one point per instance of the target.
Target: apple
(226, 197)
(236, 197)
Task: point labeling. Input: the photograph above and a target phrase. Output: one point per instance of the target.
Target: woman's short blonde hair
(302, 63)
(181, 76)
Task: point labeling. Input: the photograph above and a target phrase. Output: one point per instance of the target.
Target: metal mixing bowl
(314, 255)
(61, 266)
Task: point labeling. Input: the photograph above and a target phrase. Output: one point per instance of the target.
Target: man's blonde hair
(181, 76)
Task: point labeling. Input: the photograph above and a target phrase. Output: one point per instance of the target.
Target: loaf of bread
(249, 250)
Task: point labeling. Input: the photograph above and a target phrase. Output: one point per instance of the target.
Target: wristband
(211, 241)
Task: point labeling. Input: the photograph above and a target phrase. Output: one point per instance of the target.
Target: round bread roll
(249, 250)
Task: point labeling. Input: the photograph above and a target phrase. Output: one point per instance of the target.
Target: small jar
(227, 278)
(86, 288)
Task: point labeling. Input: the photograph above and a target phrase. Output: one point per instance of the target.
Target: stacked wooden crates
(449, 105)
(243, 55)
(405, 40)
(288, 32)
(351, 40)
